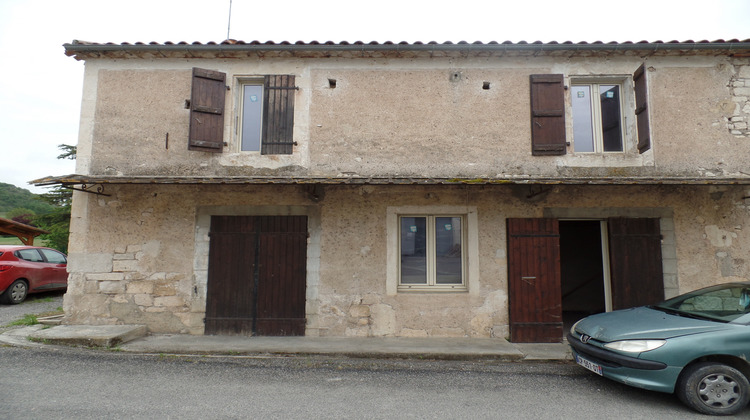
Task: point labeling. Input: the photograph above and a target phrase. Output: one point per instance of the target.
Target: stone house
(419, 190)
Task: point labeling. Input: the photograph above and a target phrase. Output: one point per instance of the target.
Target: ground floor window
(431, 250)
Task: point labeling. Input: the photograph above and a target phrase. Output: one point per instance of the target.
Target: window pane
(583, 132)
(53, 257)
(448, 250)
(611, 119)
(413, 250)
(29, 255)
(252, 110)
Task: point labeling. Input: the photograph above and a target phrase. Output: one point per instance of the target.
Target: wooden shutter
(534, 281)
(207, 111)
(641, 109)
(635, 262)
(278, 112)
(547, 115)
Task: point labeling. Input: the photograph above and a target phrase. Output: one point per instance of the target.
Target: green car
(696, 345)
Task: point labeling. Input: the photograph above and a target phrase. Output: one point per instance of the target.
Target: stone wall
(739, 122)
(140, 255)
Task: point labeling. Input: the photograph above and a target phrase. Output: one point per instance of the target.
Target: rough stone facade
(139, 254)
(739, 122)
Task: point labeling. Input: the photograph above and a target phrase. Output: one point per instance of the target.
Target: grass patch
(28, 319)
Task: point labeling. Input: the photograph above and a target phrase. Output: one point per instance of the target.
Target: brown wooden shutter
(547, 115)
(635, 262)
(641, 109)
(534, 281)
(207, 111)
(278, 111)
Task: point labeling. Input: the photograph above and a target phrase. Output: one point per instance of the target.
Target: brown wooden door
(534, 281)
(256, 275)
(635, 262)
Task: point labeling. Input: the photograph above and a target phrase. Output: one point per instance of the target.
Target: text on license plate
(589, 365)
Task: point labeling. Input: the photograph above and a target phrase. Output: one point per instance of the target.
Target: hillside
(12, 197)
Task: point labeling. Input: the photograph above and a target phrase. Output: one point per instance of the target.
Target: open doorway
(583, 278)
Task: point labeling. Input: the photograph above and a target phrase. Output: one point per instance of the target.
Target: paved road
(34, 304)
(56, 383)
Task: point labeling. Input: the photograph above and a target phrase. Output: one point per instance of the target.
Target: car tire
(15, 293)
(730, 389)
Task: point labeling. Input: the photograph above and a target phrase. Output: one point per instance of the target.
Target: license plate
(589, 365)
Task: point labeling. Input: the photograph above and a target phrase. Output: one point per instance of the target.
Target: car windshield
(724, 303)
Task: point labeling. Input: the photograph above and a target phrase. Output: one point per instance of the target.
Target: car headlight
(635, 346)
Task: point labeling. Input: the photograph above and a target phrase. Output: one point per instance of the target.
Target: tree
(21, 215)
(57, 222)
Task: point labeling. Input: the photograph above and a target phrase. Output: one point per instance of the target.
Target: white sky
(40, 87)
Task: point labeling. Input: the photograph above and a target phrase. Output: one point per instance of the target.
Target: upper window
(431, 250)
(265, 115)
(597, 117)
(600, 107)
(251, 116)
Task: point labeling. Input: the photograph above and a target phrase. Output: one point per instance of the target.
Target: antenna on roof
(229, 23)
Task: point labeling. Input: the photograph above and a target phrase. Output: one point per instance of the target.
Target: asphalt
(135, 339)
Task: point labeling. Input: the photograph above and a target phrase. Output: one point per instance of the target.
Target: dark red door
(635, 255)
(256, 275)
(534, 281)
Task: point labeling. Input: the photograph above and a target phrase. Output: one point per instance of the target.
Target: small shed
(24, 232)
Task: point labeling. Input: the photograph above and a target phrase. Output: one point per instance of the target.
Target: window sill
(605, 160)
(459, 288)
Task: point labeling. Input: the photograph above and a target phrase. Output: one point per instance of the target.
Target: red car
(30, 269)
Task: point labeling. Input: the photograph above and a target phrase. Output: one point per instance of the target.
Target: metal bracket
(87, 188)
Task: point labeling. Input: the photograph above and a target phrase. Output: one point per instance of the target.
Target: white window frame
(240, 84)
(469, 249)
(627, 112)
(431, 254)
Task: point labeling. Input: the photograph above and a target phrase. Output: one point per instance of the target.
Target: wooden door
(256, 275)
(534, 281)
(635, 262)
(282, 268)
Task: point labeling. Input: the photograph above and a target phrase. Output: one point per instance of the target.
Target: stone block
(124, 256)
(143, 300)
(111, 287)
(105, 276)
(140, 287)
(89, 263)
(125, 265)
(169, 301)
(164, 289)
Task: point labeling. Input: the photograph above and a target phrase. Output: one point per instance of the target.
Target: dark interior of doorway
(581, 270)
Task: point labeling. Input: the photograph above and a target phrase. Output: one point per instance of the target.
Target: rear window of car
(29, 255)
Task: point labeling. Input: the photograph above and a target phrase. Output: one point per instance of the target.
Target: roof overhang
(83, 50)
(86, 182)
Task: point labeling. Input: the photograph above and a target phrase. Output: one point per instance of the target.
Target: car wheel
(713, 388)
(15, 293)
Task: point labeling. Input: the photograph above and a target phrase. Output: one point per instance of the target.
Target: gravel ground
(34, 304)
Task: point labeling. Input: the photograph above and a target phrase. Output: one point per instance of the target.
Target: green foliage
(12, 197)
(27, 319)
(21, 215)
(57, 222)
